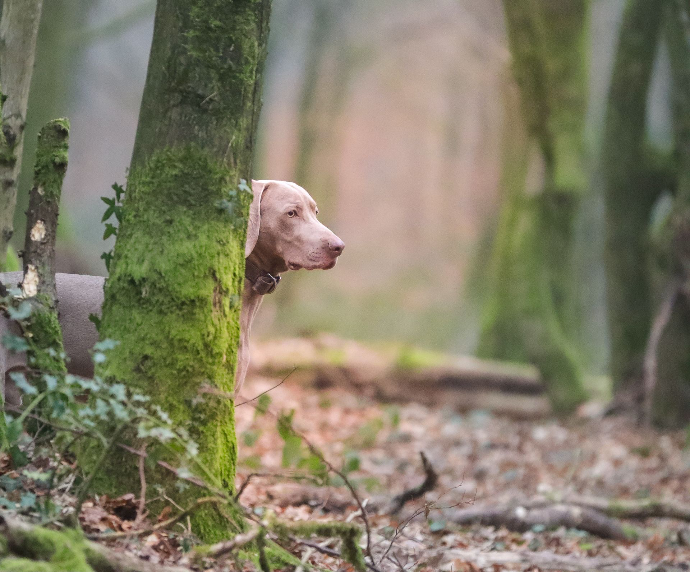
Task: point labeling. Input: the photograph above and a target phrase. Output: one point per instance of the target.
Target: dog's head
(284, 232)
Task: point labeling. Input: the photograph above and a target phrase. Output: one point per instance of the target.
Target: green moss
(52, 157)
(45, 338)
(348, 533)
(25, 565)
(12, 263)
(60, 551)
(415, 358)
(169, 302)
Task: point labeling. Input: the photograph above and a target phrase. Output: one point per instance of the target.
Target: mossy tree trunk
(173, 296)
(630, 189)
(529, 311)
(18, 32)
(45, 352)
(670, 400)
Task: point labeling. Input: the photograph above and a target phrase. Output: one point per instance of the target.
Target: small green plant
(230, 205)
(115, 209)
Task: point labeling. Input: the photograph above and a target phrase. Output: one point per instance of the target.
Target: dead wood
(522, 519)
(549, 561)
(463, 383)
(627, 508)
(649, 362)
(430, 481)
(20, 543)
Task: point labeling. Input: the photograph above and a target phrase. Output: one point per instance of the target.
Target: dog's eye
(292, 213)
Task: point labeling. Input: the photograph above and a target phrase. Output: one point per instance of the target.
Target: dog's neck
(263, 272)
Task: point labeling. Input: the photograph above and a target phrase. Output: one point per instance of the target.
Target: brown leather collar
(262, 282)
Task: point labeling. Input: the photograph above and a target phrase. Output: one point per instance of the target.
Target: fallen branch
(412, 494)
(649, 363)
(547, 561)
(35, 543)
(328, 551)
(221, 549)
(522, 519)
(627, 508)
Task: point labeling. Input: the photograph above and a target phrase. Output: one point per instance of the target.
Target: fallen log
(26, 543)
(626, 508)
(522, 519)
(404, 374)
(549, 561)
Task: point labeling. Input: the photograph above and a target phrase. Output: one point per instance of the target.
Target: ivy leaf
(105, 345)
(28, 500)
(14, 343)
(110, 230)
(21, 312)
(20, 381)
(108, 213)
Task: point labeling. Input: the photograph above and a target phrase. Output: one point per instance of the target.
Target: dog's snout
(336, 245)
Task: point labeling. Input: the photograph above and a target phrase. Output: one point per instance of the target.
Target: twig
(282, 381)
(142, 490)
(649, 363)
(159, 526)
(84, 489)
(365, 518)
(227, 546)
(328, 551)
(350, 486)
(429, 483)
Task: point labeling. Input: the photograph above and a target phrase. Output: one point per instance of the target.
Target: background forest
(512, 181)
(470, 185)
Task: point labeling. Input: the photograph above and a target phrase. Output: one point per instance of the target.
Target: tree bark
(529, 314)
(45, 339)
(18, 32)
(669, 402)
(173, 296)
(629, 190)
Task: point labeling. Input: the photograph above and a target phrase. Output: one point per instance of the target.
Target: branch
(411, 494)
(23, 541)
(649, 363)
(522, 519)
(226, 547)
(625, 508)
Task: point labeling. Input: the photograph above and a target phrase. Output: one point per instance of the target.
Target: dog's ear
(258, 188)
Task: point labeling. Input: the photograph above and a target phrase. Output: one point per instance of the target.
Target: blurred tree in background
(529, 313)
(435, 135)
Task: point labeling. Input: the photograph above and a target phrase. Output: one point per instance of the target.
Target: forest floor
(481, 460)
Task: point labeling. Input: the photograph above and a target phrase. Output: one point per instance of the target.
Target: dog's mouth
(327, 266)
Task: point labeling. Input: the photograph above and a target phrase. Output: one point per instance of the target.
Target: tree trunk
(18, 32)
(529, 315)
(630, 189)
(44, 337)
(670, 399)
(173, 296)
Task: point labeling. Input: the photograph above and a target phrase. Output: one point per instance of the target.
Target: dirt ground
(481, 460)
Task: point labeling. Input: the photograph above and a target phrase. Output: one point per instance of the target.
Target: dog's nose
(336, 245)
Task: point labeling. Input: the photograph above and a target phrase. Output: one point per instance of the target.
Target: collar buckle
(265, 284)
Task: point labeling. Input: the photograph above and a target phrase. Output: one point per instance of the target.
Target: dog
(283, 233)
